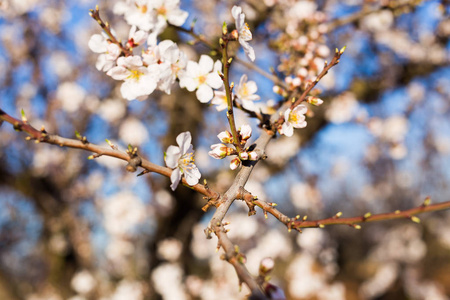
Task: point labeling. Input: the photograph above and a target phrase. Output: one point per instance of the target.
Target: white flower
(140, 81)
(109, 52)
(220, 99)
(136, 37)
(181, 159)
(293, 119)
(244, 33)
(137, 13)
(170, 11)
(202, 76)
(245, 92)
(172, 62)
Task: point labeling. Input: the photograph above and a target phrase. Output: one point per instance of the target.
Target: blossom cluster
(221, 150)
(159, 64)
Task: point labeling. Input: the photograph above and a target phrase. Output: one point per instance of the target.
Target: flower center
(161, 11)
(142, 8)
(185, 160)
(293, 118)
(135, 74)
(201, 79)
(245, 33)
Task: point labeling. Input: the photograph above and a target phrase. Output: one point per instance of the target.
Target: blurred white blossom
(132, 131)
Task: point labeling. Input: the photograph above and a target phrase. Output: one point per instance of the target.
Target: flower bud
(253, 155)
(235, 163)
(218, 151)
(234, 34)
(225, 137)
(314, 101)
(266, 265)
(245, 132)
(243, 155)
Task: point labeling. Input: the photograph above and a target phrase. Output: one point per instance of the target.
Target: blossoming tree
(160, 73)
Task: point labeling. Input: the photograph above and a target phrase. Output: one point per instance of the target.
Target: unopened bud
(225, 137)
(218, 151)
(243, 155)
(234, 34)
(253, 155)
(224, 28)
(245, 132)
(235, 163)
(314, 101)
(266, 265)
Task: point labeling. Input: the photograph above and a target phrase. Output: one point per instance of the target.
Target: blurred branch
(395, 6)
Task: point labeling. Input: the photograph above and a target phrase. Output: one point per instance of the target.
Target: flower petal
(206, 63)
(175, 178)
(173, 154)
(204, 93)
(184, 141)
(214, 80)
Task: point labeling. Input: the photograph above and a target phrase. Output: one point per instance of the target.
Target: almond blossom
(244, 33)
(202, 76)
(139, 81)
(294, 118)
(136, 37)
(172, 62)
(138, 13)
(169, 10)
(152, 15)
(245, 92)
(220, 99)
(109, 52)
(181, 159)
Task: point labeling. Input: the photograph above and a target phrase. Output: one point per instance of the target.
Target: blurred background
(73, 228)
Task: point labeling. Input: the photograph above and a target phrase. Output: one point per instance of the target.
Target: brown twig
(44, 137)
(353, 221)
(95, 14)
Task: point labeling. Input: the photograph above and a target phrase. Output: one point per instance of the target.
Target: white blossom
(136, 37)
(244, 33)
(172, 61)
(138, 13)
(245, 92)
(203, 77)
(220, 99)
(181, 159)
(294, 118)
(109, 52)
(169, 10)
(139, 81)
